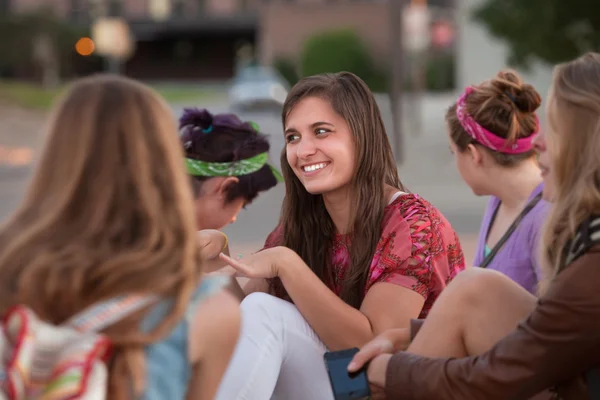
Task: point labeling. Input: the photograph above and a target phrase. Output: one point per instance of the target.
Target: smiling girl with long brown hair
(354, 254)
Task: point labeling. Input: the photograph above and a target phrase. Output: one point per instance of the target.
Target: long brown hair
(574, 146)
(307, 227)
(505, 106)
(106, 213)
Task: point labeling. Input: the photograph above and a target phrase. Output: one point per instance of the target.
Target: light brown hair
(574, 145)
(307, 227)
(108, 212)
(504, 106)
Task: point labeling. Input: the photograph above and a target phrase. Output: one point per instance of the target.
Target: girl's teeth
(314, 167)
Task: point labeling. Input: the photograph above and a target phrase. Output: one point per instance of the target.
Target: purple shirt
(519, 256)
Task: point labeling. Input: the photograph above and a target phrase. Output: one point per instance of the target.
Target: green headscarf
(232, 168)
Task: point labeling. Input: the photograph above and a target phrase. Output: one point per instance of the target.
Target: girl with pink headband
(491, 128)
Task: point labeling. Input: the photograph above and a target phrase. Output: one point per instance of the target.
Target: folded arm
(339, 325)
(403, 267)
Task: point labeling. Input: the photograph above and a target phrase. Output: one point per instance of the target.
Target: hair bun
(196, 118)
(523, 95)
(528, 99)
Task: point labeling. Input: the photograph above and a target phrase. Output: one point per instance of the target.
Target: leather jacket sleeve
(556, 344)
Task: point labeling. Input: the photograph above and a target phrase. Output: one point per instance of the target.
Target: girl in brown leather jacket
(486, 337)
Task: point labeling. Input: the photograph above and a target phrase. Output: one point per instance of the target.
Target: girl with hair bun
(103, 242)
(486, 337)
(491, 129)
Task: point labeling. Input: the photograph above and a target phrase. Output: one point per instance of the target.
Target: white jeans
(278, 355)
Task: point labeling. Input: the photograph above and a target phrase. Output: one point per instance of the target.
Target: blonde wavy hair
(574, 146)
(108, 212)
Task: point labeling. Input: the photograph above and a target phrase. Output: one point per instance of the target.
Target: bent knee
(477, 284)
(471, 283)
(263, 304)
(258, 299)
(476, 275)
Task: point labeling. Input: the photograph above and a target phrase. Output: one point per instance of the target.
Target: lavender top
(518, 258)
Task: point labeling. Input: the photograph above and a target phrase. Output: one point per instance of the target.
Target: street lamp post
(397, 77)
(111, 35)
(416, 23)
(160, 10)
(113, 40)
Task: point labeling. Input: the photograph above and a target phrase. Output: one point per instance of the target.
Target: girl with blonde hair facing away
(107, 214)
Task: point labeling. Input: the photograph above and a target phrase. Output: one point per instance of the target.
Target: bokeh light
(85, 46)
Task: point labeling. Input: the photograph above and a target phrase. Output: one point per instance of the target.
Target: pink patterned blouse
(418, 250)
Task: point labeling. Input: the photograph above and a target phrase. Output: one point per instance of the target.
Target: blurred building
(4, 7)
(199, 39)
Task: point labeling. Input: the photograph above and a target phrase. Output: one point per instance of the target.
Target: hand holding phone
(346, 385)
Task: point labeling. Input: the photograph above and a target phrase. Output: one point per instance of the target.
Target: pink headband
(487, 138)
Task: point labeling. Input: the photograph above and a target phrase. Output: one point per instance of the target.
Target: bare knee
(478, 286)
(482, 275)
(475, 285)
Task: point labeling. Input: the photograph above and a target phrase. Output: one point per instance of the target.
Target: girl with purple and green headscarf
(227, 161)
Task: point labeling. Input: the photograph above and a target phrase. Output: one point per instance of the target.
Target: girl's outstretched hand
(264, 264)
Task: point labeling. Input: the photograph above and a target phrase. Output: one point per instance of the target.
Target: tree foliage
(341, 50)
(18, 33)
(551, 31)
(334, 51)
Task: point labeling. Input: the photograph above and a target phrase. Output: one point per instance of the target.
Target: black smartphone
(346, 386)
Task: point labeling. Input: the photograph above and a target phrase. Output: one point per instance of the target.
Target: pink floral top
(418, 250)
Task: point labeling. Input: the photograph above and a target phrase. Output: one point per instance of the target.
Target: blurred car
(257, 87)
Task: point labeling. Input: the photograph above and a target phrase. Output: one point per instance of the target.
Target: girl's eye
(291, 138)
(319, 131)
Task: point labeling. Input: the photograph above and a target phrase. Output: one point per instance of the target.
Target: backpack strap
(587, 235)
(102, 315)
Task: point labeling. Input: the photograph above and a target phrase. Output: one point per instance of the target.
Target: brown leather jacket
(553, 347)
